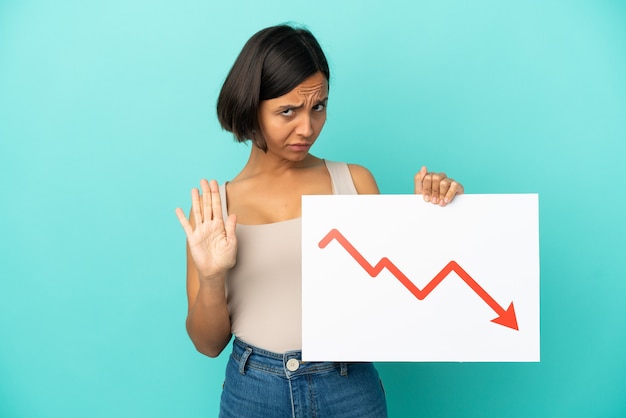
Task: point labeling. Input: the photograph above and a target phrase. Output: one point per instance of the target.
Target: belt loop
(344, 369)
(244, 359)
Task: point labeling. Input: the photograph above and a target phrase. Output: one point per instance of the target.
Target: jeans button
(293, 365)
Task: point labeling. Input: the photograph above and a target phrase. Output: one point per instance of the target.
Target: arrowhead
(507, 318)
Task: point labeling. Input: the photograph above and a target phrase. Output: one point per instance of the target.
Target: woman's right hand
(212, 242)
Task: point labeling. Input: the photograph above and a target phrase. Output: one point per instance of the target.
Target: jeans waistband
(286, 364)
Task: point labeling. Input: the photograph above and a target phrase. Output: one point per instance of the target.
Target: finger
(427, 187)
(195, 206)
(206, 200)
(435, 184)
(184, 222)
(455, 189)
(444, 186)
(419, 178)
(216, 200)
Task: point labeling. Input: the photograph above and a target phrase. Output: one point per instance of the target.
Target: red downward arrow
(506, 317)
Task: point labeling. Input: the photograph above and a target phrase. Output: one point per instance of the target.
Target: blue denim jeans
(262, 384)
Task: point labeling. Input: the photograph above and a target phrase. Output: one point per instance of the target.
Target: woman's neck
(270, 164)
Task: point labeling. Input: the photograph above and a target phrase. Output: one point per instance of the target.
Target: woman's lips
(299, 147)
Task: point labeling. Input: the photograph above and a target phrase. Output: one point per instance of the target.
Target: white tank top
(264, 289)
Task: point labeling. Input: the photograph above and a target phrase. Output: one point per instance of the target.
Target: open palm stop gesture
(212, 242)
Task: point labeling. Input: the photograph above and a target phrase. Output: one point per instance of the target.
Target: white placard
(393, 278)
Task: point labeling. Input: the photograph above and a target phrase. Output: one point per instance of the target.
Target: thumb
(184, 222)
(419, 177)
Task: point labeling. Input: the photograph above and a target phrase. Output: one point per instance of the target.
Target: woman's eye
(287, 112)
(319, 107)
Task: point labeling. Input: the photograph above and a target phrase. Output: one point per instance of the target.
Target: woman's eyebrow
(290, 106)
(301, 104)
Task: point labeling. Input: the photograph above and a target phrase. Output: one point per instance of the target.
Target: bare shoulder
(363, 179)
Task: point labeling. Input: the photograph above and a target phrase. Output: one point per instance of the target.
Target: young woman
(244, 260)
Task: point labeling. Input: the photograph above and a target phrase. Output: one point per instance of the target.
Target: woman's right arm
(211, 252)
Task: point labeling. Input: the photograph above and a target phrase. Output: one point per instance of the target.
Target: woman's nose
(305, 126)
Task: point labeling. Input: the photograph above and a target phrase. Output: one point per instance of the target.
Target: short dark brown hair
(272, 63)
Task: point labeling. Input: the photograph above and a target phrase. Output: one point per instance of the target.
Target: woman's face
(291, 123)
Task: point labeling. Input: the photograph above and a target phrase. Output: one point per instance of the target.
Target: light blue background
(107, 120)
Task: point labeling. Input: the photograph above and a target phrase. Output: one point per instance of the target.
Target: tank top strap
(340, 177)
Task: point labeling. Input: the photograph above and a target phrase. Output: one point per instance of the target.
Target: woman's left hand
(436, 188)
